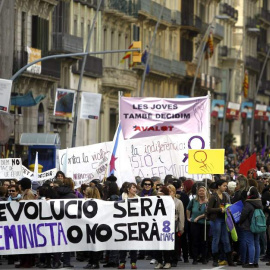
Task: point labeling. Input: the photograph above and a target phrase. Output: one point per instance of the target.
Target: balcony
(160, 65)
(176, 18)
(51, 68)
(178, 68)
(93, 67)
(264, 16)
(253, 64)
(191, 22)
(233, 53)
(229, 11)
(262, 48)
(218, 32)
(252, 23)
(191, 70)
(217, 73)
(166, 14)
(142, 9)
(121, 6)
(66, 43)
(91, 3)
(119, 79)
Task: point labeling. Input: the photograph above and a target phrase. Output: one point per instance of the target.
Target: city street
(145, 264)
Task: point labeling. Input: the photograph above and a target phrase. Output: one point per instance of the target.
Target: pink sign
(144, 117)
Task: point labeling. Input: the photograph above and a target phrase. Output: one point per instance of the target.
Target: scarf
(147, 193)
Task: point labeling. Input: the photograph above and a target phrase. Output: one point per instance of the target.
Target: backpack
(258, 221)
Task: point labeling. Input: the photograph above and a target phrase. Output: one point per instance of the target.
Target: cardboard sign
(10, 168)
(206, 161)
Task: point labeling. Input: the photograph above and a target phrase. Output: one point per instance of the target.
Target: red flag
(249, 163)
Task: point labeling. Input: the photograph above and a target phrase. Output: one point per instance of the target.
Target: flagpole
(251, 142)
(150, 46)
(74, 133)
(203, 44)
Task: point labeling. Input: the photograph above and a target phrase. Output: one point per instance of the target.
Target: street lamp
(251, 142)
(202, 48)
(230, 85)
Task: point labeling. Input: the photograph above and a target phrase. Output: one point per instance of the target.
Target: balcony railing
(219, 31)
(178, 68)
(262, 47)
(191, 20)
(166, 14)
(251, 22)
(265, 15)
(65, 43)
(233, 53)
(176, 17)
(93, 67)
(160, 64)
(229, 10)
(124, 6)
(265, 85)
(20, 60)
(91, 3)
(143, 6)
(253, 64)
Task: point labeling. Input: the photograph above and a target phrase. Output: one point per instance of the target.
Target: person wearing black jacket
(251, 240)
(66, 192)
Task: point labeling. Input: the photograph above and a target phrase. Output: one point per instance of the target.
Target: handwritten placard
(10, 168)
(206, 161)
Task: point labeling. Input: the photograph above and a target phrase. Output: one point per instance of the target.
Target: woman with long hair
(196, 216)
(131, 192)
(94, 256)
(216, 211)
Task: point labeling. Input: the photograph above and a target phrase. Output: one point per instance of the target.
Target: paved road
(145, 264)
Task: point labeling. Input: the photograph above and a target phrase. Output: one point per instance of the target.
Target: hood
(257, 203)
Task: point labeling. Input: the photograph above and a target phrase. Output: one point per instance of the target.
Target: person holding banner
(94, 256)
(179, 227)
(130, 194)
(216, 214)
(196, 215)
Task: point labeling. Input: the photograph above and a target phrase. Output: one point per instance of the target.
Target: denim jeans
(220, 234)
(251, 243)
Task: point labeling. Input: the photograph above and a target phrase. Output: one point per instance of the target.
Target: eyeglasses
(147, 184)
(12, 190)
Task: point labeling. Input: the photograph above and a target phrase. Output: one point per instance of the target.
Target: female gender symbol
(201, 161)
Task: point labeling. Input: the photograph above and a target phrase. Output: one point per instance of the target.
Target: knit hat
(25, 183)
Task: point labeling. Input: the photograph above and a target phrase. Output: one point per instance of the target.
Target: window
(82, 27)
(40, 34)
(75, 25)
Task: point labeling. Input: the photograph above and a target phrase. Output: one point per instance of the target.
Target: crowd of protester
(201, 233)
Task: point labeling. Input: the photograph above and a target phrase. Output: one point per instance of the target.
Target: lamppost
(202, 48)
(228, 94)
(251, 142)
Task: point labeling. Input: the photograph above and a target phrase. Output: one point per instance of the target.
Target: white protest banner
(42, 177)
(152, 156)
(42, 226)
(10, 168)
(145, 117)
(163, 155)
(85, 163)
(5, 92)
(90, 105)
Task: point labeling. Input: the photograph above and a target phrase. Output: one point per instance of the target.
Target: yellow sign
(206, 161)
